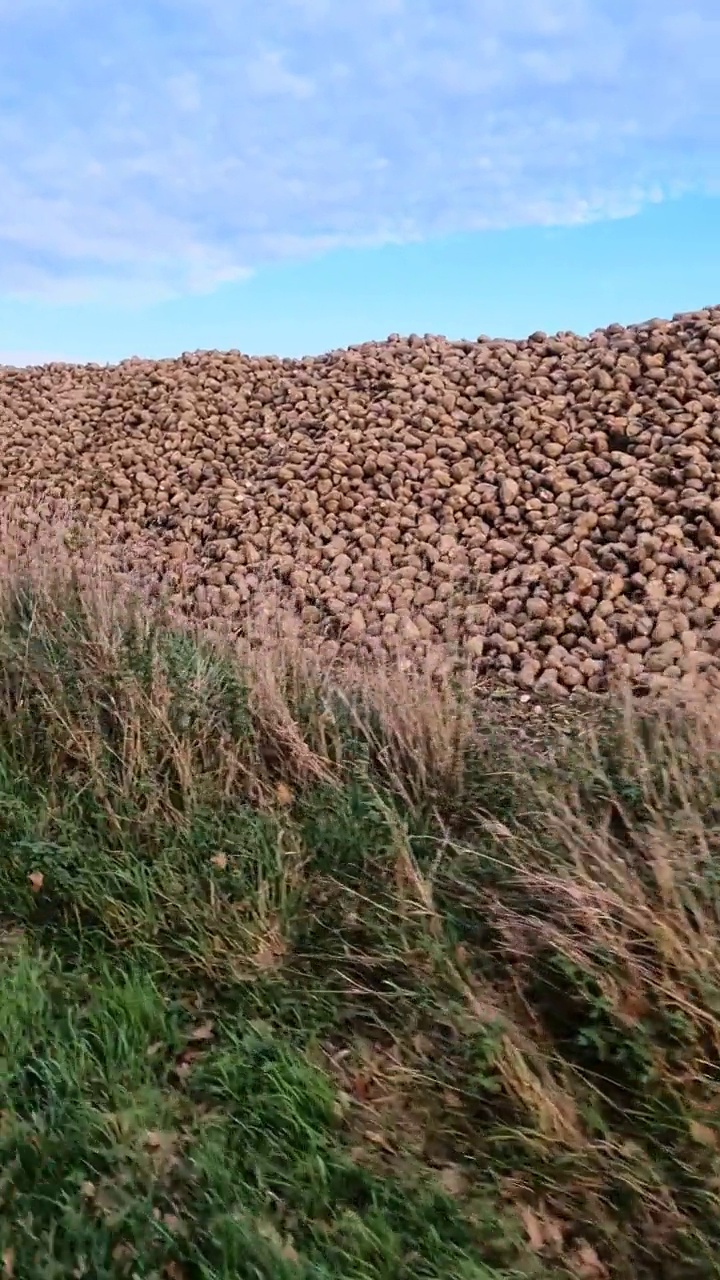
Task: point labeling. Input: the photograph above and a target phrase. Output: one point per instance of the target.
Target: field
(344, 972)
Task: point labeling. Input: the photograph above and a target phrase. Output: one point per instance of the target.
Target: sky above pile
(184, 173)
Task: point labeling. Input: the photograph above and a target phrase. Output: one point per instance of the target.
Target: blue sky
(303, 174)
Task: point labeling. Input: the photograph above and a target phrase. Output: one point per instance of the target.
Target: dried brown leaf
(422, 1045)
(359, 1086)
(205, 1031)
(585, 1263)
(123, 1252)
(543, 1230)
(271, 950)
(533, 1227)
(453, 1180)
(703, 1134)
(184, 1065)
(284, 1246)
(378, 1139)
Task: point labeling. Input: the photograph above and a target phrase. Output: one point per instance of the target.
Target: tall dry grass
(565, 901)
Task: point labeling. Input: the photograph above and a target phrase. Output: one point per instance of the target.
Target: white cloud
(161, 146)
(267, 76)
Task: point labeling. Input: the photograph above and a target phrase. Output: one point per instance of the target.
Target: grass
(313, 974)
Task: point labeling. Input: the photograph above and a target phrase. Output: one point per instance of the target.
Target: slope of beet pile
(550, 507)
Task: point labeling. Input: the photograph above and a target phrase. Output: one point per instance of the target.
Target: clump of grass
(314, 973)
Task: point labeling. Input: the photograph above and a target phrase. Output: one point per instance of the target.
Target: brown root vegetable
(551, 507)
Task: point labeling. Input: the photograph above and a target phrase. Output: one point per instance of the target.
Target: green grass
(316, 976)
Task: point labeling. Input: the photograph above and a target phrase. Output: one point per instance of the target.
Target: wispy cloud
(162, 146)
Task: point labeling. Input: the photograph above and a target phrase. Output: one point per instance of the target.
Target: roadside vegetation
(344, 975)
